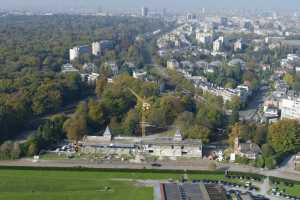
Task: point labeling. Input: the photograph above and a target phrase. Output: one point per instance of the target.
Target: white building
(290, 108)
(101, 47)
(96, 48)
(218, 45)
(68, 68)
(238, 45)
(204, 38)
(113, 67)
(139, 74)
(75, 52)
(172, 64)
(90, 78)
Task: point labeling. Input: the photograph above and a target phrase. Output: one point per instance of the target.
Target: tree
(260, 162)
(32, 149)
(234, 133)
(101, 84)
(116, 126)
(289, 79)
(76, 128)
(47, 98)
(234, 104)
(284, 136)
(234, 117)
(199, 132)
(270, 162)
(210, 116)
(260, 135)
(16, 151)
(184, 121)
(5, 150)
(96, 114)
(267, 150)
(131, 123)
(51, 132)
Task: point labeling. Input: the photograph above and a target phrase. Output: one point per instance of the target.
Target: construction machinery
(145, 108)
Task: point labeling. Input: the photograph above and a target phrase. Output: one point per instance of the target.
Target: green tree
(260, 162)
(235, 132)
(76, 128)
(270, 162)
(284, 136)
(289, 79)
(96, 114)
(131, 123)
(101, 84)
(234, 104)
(267, 150)
(199, 132)
(260, 135)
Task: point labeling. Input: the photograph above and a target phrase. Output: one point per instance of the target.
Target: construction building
(172, 147)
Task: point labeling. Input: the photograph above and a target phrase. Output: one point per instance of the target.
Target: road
(254, 104)
(172, 165)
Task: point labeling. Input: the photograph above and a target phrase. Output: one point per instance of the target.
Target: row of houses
(282, 102)
(88, 73)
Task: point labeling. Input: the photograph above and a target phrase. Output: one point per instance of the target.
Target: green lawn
(65, 185)
(294, 191)
(82, 185)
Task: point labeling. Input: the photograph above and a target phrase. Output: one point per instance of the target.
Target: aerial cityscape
(150, 100)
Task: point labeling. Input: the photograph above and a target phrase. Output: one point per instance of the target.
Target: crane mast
(145, 108)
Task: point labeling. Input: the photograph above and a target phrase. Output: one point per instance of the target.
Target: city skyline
(178, 5)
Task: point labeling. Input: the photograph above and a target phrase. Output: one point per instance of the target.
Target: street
(167, 165)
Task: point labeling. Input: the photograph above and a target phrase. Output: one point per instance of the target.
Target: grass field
(82, 185)
(294, 191)
(65, 185)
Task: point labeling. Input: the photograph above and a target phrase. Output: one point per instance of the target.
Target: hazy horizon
(61, 5)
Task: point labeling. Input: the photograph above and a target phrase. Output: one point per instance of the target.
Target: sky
(152, 4)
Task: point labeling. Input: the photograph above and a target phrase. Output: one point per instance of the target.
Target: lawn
(294, 190)
(79, 185)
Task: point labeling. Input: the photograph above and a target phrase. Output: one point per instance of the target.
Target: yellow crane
(145, 107)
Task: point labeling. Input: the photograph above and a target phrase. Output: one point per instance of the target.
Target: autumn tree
(284, 136)
(76, 128)
(235, 132)
(131, 123)
(101, 83)
(96, 114)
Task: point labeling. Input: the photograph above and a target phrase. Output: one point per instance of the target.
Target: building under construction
(172, 147)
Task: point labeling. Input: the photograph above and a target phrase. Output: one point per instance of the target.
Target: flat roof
(192, 191)
(100, 140)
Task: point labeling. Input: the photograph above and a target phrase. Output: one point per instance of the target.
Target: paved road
(251, 112)
(173, 165)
